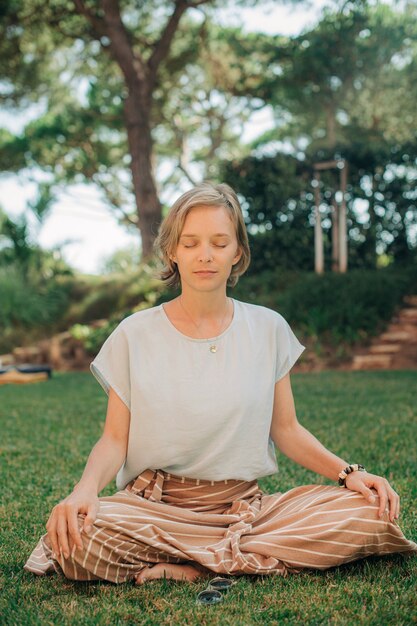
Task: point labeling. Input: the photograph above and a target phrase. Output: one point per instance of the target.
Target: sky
(80, 217)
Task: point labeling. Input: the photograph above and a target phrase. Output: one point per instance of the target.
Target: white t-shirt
(195, 412)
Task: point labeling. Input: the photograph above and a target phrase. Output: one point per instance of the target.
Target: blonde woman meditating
(199, 396)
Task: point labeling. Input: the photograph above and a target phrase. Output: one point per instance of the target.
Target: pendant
(213, 348)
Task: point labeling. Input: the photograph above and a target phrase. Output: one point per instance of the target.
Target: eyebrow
(216, 235)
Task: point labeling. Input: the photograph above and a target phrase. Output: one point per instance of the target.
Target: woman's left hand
(363, 482)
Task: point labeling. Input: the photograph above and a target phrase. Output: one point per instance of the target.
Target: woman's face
(207, 249)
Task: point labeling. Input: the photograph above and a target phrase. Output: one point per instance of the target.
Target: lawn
(48, 430)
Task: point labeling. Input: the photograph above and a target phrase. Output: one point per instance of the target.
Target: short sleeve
(111, 366)
(289, 349)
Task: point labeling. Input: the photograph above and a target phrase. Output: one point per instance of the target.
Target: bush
(26, 305)
(338, 307)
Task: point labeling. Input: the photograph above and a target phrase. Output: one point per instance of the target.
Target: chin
(206, 286)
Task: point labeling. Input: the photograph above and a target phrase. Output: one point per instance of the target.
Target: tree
(346, 90)
(139, 58)
(18, 250)
(272, 191)
(136, 82)
(201, 112)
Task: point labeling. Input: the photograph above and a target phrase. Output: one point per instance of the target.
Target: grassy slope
(48, 430)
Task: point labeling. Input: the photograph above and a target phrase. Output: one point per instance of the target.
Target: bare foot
(168, 570)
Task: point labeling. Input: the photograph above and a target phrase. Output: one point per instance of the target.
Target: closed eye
(217, 245)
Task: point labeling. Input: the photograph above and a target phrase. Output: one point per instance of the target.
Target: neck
(205, 305)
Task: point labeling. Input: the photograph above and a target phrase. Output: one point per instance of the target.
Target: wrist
(86, 487)
(349, 469)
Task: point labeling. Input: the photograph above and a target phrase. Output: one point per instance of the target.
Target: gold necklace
(213, 346)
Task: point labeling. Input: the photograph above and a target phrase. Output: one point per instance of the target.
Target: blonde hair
(205, 194)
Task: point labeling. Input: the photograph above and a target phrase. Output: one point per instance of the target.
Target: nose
(205, 254)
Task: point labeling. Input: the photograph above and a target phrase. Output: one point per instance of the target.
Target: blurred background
(110, 110)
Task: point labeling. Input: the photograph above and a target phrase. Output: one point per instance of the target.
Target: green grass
(48, 429)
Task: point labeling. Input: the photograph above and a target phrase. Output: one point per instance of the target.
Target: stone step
(404, 362)
(409, 350)
(399, 335)
(411, 300)
(396, 347)
(408, 315)
(371, 361)
(385, 348)
(407, 327)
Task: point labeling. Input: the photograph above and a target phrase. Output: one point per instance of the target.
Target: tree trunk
(137, 115)
(140, 78)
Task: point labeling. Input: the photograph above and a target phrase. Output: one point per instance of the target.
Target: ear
(238, 256)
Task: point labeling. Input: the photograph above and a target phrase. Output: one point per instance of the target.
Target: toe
(141, 576)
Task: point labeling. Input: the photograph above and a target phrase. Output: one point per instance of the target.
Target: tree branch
(183, 169)
(161, 47)
(197, 3)
(96, 22)
(126, 218)
(132, 66)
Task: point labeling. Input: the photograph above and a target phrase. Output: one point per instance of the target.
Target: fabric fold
(227, 527)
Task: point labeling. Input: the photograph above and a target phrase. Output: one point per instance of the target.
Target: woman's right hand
(62, 525)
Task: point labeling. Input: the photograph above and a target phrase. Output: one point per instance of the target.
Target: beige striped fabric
(227, 527)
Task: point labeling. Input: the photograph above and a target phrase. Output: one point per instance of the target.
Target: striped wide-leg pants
(228, 527)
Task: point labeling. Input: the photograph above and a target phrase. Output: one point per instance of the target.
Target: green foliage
(42, 303)
(113, 298)
(277, 198)
(348, 307)
(33, 291)
(351, 73)
(17, 247)
(264, 287)
(272, 191)
(80, 132)
(343, 89)
(94, 337)
(15, 244)
(28, 306)
(333, 307)
(122, 260)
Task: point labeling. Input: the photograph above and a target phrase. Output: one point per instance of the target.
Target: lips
(207, 273)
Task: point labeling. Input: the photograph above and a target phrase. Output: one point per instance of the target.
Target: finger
(88, 523)
(368, 494)
(90, 518)
(73, 528)
(360, 487)
(393, 498)
(62, 531)
(52, 534)
(382, 492)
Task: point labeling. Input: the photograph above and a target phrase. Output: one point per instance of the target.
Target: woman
(199, 392)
